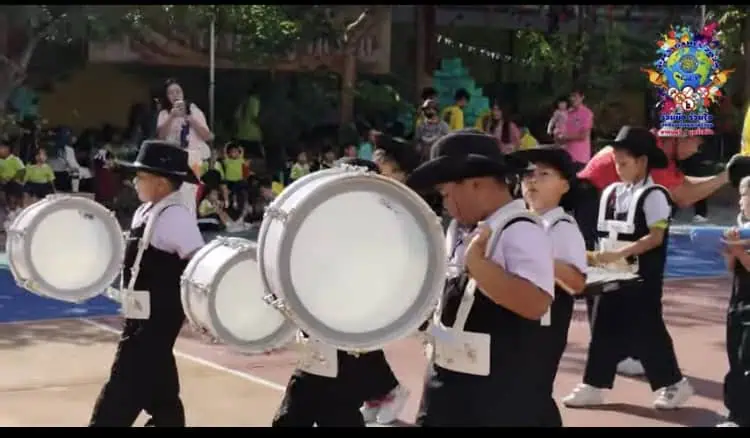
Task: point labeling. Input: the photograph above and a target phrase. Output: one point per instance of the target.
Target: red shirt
(601, 171)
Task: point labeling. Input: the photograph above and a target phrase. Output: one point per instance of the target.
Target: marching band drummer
(487, 365)
(360, 377)
(144, 373)
(548, 189)
(631, 320)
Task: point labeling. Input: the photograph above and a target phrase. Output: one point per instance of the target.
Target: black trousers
(586, 212)
(737, 380)
(63, 182)
(333, 402)
(143, 376)
(556, 338)
(631, 320)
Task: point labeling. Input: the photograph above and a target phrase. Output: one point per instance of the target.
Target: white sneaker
(584, 396)
(630, 367)
(369, 412)
(728, 424)
(698, 219)
(391, 409)
(674, 396)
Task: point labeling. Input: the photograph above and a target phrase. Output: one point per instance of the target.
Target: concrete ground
(53, 370)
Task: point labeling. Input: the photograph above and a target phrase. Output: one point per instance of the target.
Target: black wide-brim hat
(551, 155)
(738, 167)
(640, 142)
(164, 159)
(557, 158)
(461, 155)
(401, 151)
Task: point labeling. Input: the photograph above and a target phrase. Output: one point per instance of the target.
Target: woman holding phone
(182, 122)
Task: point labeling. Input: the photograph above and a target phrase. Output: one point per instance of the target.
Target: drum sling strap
(137, 304)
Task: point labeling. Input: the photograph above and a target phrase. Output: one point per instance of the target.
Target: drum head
(74, 248)
(362, 262)
(239, 314)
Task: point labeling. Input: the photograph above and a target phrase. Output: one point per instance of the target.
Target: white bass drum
(223, 295)
(356, 260)
(68, 248)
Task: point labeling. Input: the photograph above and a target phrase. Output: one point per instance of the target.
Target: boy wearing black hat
(631, 320)
(163, 236)
(548, 189)
(737, 379)
(486, 368)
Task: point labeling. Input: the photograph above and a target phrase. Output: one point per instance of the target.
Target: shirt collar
(638, 184)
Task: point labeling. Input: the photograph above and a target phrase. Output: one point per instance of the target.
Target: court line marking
(207, 363)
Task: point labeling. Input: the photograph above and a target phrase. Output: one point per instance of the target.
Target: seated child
(11, 176)
(39, 178)
(211, 214)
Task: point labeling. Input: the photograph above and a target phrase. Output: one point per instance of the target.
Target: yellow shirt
(528, 142)
(9, 168)
(233, 169)
(454, 117)
(277, 187)
(746, 134)
(206, 208)
(39, 174)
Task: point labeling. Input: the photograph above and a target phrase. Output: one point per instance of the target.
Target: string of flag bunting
(442, 39)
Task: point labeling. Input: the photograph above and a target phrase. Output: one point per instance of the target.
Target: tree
(265, 30)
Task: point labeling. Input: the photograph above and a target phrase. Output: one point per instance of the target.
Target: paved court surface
(53, 370)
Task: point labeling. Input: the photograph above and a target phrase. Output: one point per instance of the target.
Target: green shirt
(39, 174)
(298, 171)
(233, 169)
(206, 208)
(9, 168)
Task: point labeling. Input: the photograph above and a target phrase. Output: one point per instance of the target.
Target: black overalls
(631, 320)
(332, 401)
(511, 394)
(737, 380)
(144, 373)
(555, 339)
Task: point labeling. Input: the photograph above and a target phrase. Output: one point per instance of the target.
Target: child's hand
(607, 257)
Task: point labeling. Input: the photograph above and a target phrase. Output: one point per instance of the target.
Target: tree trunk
(420, 52)
(348, 83)
(355, 31)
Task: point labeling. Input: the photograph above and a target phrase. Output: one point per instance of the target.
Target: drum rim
(56, 203)
(280, 337)
(277, 202)
(429, 293)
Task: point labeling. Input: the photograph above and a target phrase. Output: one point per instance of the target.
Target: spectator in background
(39, 178)
(431, 129)
(350, 150)
(528, 141)
(12, 172)
(367, 146)
(233, 167)
(106, 181)
(498, 125)
(559, 120)
(577, 136)
(61, 162)
(301, 166)
(249, 135)
(453, 115)
(428, 93)
(183, 123)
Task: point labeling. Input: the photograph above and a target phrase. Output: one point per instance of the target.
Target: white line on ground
(207, 363)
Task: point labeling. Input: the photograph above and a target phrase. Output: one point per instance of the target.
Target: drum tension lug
(278, 214)
(274, 302)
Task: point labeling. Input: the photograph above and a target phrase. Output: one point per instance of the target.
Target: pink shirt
(579, 120)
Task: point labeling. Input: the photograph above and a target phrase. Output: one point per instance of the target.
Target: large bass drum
(355, 259)
(64, 247)
(222, 294)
